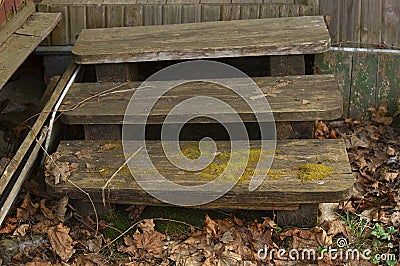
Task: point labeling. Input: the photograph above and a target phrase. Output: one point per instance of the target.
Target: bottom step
(94, 162)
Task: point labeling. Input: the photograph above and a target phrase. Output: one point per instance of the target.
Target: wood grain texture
(286, 102)
(287, 189)
(371, 22)
(350, 11)
(203, 40)
(391, 22)
(330, 9)
(21, 44)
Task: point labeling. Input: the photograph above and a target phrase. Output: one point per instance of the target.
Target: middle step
(295, 101)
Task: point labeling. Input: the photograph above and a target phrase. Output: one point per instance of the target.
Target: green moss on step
(311, 171)
(275, 174)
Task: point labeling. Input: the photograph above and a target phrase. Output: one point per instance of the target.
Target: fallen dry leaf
(27, 208)
(57, 170)
(46, 211)
(60, 241)
(10, 225)
(379, 115)
(61, 209)
(92, 259)
(107, 146)
(320, 129)
(21, 230)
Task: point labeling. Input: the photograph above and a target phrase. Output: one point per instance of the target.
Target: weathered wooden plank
(269, 11)
(363, 86)
(114, 16)
(309, 10)
(152, 15)
(34, 131)
(340, 64)
(191, 13)
(21, 44)
(210, 13)
(249, 11)
(133, 15)
(388, 82)
(78, 21)
(391, 21)
(351, 15)
(307, 2)
(289, 10)
(203, 40)
(95, 15)
(172, 14)
(17, 20)
(330, 9)
(230, 12)
(371, 23)
(286, 101)
(287, 188)
(60, 35)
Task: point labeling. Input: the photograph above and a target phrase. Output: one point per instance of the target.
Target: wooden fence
(79, 14)
(365, 79)
(363, 23)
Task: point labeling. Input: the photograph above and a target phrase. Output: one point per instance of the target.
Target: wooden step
(292, 98)
(20, 42)
(259, 37)
(282, 187)
(80, 14)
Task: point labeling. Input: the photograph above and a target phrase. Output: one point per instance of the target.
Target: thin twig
(138, 222)
(76, 186)
(114, 174)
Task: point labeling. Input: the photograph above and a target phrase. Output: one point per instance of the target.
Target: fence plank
(309, 10)
(391, 21)
(331, 8)
(191, 13)
(114, 16)
(363, 85)
(210, 13)
(250, 11)
(172, 14)
(60, 35)
(230, 12)
(133, 15)
(269, 11)
(78, 21)
(371, 22)
(340, 64)
(388, 80)
(152, 15)
(95, 15)
(350, 11)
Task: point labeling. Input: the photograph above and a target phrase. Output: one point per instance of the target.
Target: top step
(258, 37)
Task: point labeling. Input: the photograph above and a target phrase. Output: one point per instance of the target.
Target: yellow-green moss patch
(311, 171)
(275, 174)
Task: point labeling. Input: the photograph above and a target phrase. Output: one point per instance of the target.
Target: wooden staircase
(296, 102)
